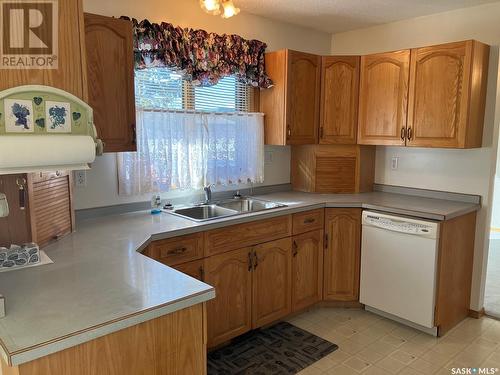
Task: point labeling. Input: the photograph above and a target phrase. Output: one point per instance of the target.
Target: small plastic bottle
(155, 204)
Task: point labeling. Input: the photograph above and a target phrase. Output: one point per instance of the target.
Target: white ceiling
(335, 16)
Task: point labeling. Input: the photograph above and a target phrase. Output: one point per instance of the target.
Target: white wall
(102, 187)
(466, 171)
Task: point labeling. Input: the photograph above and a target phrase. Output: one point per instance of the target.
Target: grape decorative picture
(58, 117)
(18, 116)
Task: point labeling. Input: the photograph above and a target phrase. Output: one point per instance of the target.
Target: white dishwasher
(398, 268)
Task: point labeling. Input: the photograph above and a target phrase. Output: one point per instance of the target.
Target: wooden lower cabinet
(230, 313)
(307, 269)
(342, 254)
(195, 269)
(168, 345)
(271, 289)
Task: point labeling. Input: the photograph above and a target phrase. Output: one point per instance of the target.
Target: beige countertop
(99, 283)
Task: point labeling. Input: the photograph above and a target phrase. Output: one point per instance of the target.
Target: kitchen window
(190, 136)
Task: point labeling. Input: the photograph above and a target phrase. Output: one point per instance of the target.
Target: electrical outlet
(394, 162)
(81, 178)
(268, 157)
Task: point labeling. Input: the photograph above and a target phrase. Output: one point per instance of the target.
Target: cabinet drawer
(237, 236)
(307, 221)
(177, 250)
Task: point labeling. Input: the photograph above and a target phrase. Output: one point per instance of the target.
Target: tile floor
(369, 344)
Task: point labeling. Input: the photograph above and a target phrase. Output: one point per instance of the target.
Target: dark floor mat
(280, 349)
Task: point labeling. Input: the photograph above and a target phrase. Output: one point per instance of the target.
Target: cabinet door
(194, 269)
(342, 254)
(15, 228)
(302, 100)
(439, 95)
(383, 98)
(307, 269)
(110, 68)
(339, 99)
(229, 314)
(271, 294)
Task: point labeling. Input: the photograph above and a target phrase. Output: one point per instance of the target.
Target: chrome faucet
(208, 193)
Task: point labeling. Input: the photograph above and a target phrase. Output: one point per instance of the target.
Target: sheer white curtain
(187, 150)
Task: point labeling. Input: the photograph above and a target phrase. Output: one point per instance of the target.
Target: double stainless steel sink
(230, 207)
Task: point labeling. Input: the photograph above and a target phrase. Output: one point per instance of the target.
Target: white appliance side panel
(398, 274)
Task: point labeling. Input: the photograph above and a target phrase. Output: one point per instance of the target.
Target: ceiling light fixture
(211, 6)
(225, 8)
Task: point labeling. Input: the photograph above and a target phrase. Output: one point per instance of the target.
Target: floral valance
(203, 57)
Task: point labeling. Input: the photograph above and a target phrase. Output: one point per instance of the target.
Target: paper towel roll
(34, 153)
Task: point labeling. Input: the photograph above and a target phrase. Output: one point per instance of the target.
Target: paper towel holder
(42, 118)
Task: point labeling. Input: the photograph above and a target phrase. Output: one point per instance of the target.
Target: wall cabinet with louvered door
(447, 95)
(339, 99)
(272, 282)
(333, 168)
(342, 254)
(70, 74)
(230, 313)
(383, 98)
(51, 206)
(307, 269)
(110, 70)
(292, 105)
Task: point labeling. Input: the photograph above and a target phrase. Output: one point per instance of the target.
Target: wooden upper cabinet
(110, 70)
(292, 105)
(339, 99)
(383, 98)
(342, 254)
(447, 95)
(70, 73)
(272, 284)
(230, 313)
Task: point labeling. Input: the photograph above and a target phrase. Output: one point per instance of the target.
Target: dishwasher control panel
(401, 224)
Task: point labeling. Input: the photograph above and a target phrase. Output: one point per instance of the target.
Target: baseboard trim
(477, 314)
(344, 304)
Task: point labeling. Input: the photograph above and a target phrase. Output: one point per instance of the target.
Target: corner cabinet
(292, 104)
(339, 99)
(110, 71)
(342, 254)
(383, 98)
(447, 95)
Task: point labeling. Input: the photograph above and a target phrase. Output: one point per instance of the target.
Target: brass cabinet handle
(255, 260)
(403, 133)
(309, 221)
(410, 134)
(250, 261)
(295, 248)
(321, 132)
(288, 131)
(177, 251)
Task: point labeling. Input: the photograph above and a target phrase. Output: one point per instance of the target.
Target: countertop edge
(44, 349)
